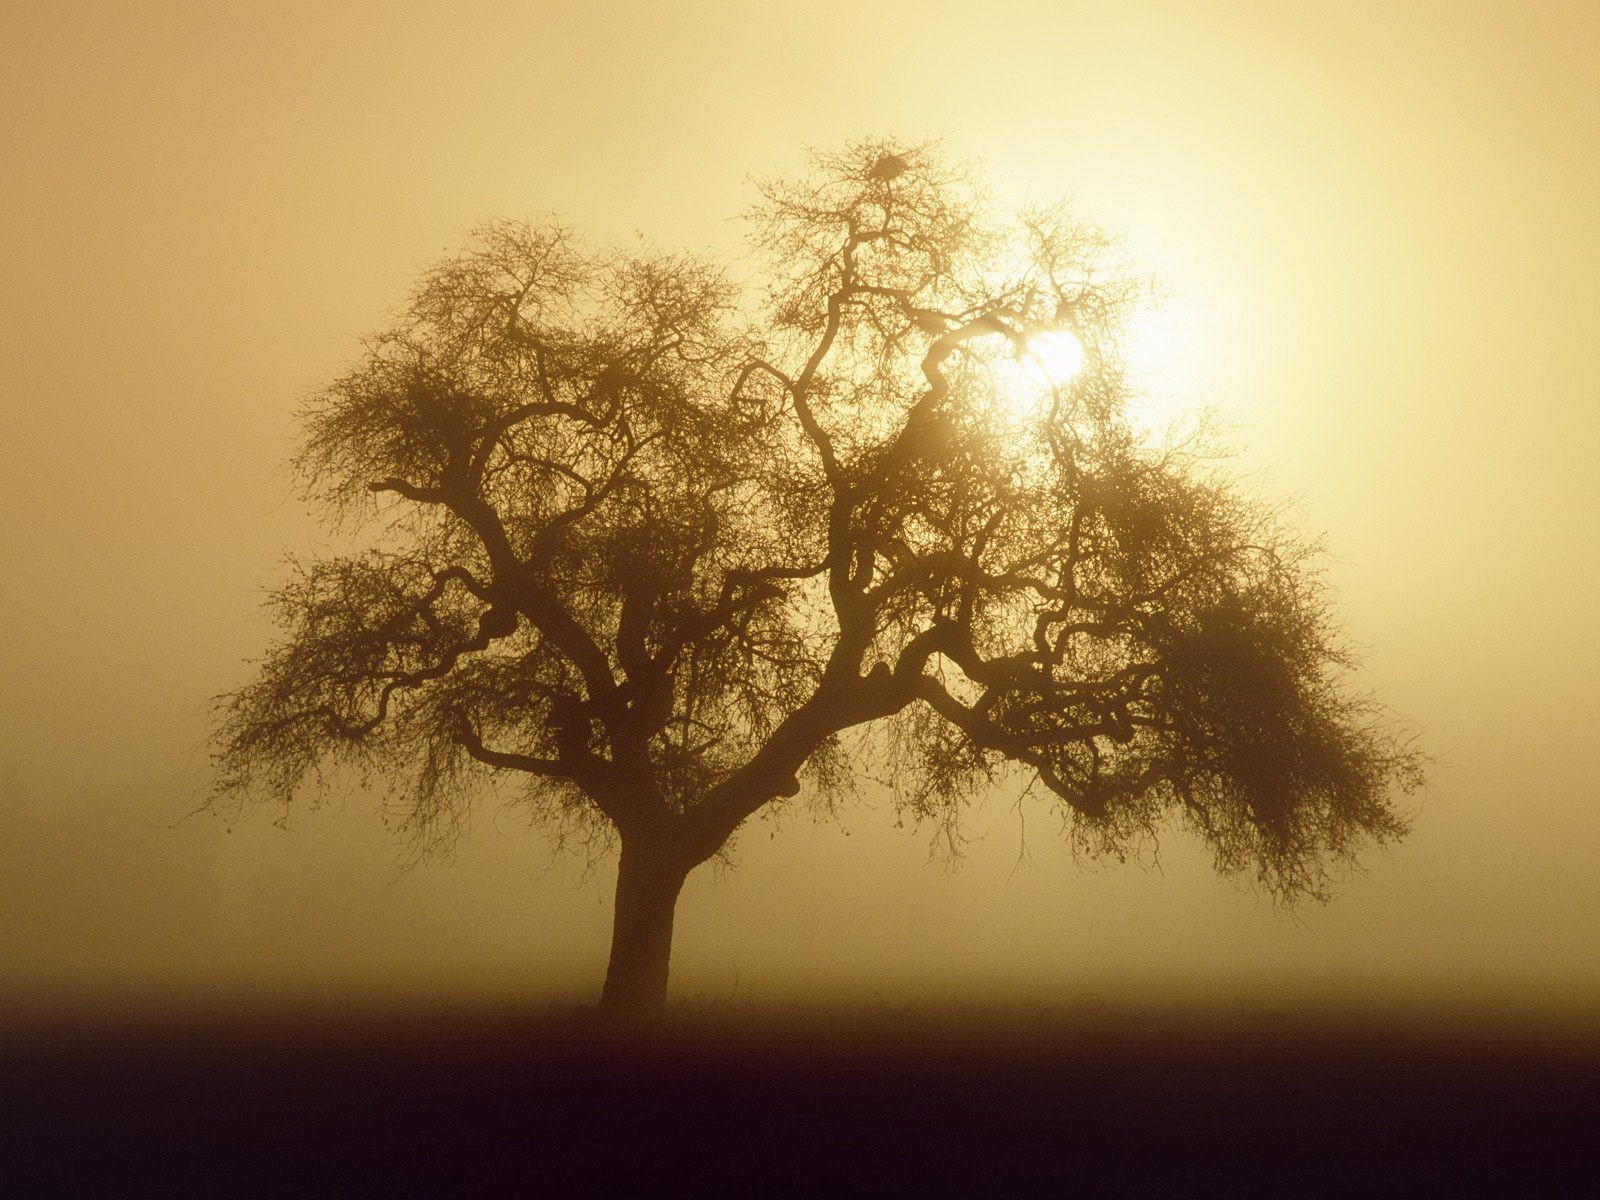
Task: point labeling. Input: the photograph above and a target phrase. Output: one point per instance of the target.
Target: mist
(1382, 221)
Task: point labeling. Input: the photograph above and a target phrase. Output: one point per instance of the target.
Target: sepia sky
(1377, 222)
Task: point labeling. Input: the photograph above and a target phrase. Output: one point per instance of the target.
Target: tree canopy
(666, 552)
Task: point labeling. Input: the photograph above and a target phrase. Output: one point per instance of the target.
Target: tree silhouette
(653, 551)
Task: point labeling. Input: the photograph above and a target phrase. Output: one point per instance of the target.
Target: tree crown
(653, 548)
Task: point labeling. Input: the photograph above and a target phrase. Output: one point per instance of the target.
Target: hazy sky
(1378, 219)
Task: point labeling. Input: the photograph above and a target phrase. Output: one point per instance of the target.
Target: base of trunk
(648, 883)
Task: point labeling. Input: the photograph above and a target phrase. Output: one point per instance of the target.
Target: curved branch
(411, 491)
(513, 579)
(548, 768)
(802, 384)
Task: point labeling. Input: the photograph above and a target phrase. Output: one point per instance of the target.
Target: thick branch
(548, 768)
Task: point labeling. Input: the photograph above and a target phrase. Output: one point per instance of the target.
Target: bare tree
(650, 551)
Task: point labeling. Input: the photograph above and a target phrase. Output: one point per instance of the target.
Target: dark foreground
(981, 1101)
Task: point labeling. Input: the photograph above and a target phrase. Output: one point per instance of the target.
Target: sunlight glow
(1058, 355)
(1171, 365)
(1164, 346)
(1169, 359)
(1026, 381)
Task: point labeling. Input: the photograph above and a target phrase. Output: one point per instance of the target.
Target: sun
(1169, 366)
(1028, 377)
(1058, 355)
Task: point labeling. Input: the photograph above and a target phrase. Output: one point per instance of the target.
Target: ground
(1077, 1101)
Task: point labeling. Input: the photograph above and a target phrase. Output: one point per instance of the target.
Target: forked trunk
(648, 883)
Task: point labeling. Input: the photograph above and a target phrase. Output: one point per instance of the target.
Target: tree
(654, 552)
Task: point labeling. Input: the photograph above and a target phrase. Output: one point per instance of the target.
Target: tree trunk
(648, 883)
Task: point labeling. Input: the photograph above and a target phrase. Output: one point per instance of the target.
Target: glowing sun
(1028, 379)
(1058, 355)
(1167, 357)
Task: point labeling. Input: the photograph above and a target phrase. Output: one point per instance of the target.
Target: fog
(1377, 219)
